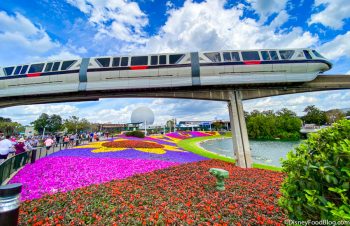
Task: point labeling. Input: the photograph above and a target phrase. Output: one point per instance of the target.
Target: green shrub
(136, 133)
(318, 176)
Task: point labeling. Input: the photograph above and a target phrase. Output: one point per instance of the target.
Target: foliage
(334, 115)
(135, 133)
(74, 125)
(217, 125)
(179, 195)
(314, 116)
(317, 186)
(283, 124)
(8, 127)
(51, 123)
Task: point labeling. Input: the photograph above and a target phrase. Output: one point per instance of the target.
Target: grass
(191, 145)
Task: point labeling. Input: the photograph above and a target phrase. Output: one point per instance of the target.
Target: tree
(8, 127)
(334, 115)
(51, 123)
(217, 125)
(283, 124)
(347, 113)
(75, 125)
(41, 123)
(314, 116)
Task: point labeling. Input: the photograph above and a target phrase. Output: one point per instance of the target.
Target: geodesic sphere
(142, 114)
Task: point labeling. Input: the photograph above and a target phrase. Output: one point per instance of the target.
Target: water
(264, 152)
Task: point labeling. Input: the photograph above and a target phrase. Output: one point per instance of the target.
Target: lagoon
(263, 152)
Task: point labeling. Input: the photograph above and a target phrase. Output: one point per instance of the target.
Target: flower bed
(99, 162)
(131, 144)
(61, 174)
(180, 195)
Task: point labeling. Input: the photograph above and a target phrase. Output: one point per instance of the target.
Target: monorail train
(163, 70)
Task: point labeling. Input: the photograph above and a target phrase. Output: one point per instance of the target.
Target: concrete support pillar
(239, 130)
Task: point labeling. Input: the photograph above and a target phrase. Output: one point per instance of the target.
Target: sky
(41, 30)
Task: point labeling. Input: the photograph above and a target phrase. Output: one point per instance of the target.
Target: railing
(12, 164)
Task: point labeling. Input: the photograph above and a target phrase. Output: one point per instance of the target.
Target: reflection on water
(264, 152)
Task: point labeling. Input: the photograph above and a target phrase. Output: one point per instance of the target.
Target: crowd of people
(17, 145)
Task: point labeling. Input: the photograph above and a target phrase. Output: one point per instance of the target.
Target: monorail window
(48, 67)
(250, 55)
(162, 59)
(116, 61)
(67, 64)
(103, 62)
(286, 54)
(274, 55)
(34, 68)
(265, 55)
(24, 69)
(139, 60)
(235, 56)
(18, 70)
(307, 54)
(124, 62)
(214, 57)
(227, 56)
(56, 66)
(317, 54)
(176, 58)
(8, 70)
(154, 60)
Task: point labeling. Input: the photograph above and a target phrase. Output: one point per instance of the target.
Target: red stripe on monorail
(138, 67)
(34, 74)
(252, 62)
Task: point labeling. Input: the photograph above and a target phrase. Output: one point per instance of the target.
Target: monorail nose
(327, 66)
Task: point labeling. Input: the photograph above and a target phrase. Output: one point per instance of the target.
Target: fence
(15, 162)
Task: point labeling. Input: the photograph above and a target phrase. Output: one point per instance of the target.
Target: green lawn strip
(267, 167)
(191, 145)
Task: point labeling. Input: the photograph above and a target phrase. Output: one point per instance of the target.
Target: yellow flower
(98, 147)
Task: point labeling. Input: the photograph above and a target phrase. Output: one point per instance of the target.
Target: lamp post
(44, 131)
(145, 128)
(9, 204)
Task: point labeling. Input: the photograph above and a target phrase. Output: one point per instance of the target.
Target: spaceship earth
(142, 114)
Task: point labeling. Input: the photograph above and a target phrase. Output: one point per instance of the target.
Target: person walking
(20, 146)
(48, 144)
(66, 141)
(6, 147)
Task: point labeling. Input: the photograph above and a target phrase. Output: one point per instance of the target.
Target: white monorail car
(163, 70)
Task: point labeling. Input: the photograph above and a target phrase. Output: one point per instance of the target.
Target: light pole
(145, 128)
(44, 131)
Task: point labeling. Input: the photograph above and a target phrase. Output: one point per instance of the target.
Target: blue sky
(39, 30)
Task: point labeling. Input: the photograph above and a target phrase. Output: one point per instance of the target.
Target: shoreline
(255, 165)
(198, 144)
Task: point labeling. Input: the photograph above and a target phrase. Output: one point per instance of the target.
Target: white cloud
(20, 39)
(333, 15)
(280, 19)
(338, 47)
(348, 73)
(27, 114)
(209, 25)
(266, 8)
(302, 99)
(119, 19)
